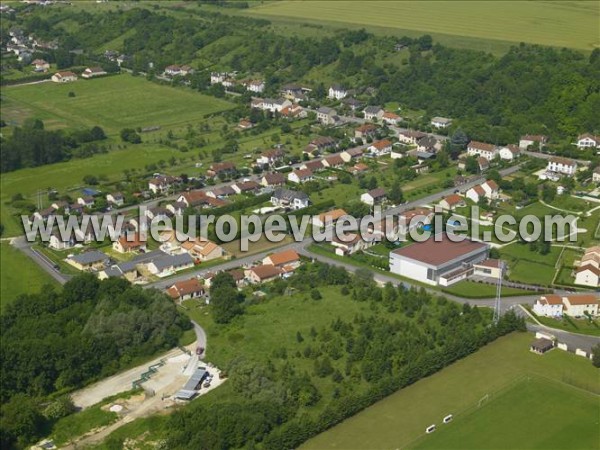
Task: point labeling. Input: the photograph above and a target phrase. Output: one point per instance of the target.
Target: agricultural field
(19, 275)
(113, 103)
(400, 420)
(460, 23)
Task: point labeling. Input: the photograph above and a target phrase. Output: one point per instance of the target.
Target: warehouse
(438, 260)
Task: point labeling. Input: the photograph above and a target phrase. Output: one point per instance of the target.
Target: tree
(225, 299)
(395, 194)
(471, 165)
(20, 421)
(130, 135)
(596, 355)
(97, 133)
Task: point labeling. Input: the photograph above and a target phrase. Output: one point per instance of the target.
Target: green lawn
(77, 424)
(113, 102)
(470, 289)
(581, 326)
(19, 275)
(527, 410)
(561, 24)
(530, 267)
(401, 418)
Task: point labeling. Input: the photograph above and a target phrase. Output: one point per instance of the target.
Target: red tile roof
(437, 253)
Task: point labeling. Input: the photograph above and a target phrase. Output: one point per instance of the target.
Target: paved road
(46, 264)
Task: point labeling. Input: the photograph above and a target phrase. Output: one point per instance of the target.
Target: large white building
(438, 260)
(563, 166)
(487, 151)
(572, 305)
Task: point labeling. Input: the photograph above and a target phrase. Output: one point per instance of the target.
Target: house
(349, 244)
(391, 118)
(130, 243)
(327, 116)
(482, 149)
(294, 111)
(328, 218)
(410, 137)
(203, 250)
(245, 124)
(89, 261)
(489, 268)
(300, 176)
(587, 140)
(483, 163)
(287, 258)
(489, 189)
(115, 198)
(293, 91)
(373, 113)
(44, 214)
(333, 161)
(451, 202)
(123, 59)
(218, 77)
(92, 72)
(173, 70)
(352, 103)
(596, 175)
(358, 169)
(165, 265)
(161, 184)
(563, 166)
(509, 152)
(246, 187)
(588, 275)
(158, 213)
(320, 144)
(257, 86)
(221, 169)
(192, 198)
(39, 65)
(220, 192)
(177, 208)
(528, 140)
(351, 153)
(86, 201)
(64, 77)
(407, 221)
(541, 346)
(581, 305)
(438, 260)
(429, 144)
(441, 122)
(186, 289)
(316, 165)
(270, 157)
(337, 92)
(272, 179)
(380, 148)
(373, 197)
(270, 104)
(127, 270)
(287, 198)
(549, 306)
(263, 273)
(365, 131)
(56, 242)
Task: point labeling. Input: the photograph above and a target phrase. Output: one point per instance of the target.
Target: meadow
(113, 103)
(460, 23)
(400, 420)
(19, 275)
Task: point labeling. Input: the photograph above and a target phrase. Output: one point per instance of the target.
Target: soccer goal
(483, 400)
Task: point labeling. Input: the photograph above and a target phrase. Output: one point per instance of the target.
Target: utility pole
(498, 300)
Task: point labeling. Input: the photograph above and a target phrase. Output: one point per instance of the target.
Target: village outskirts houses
(288, 260)
(40, 65)
(559, 166)
(391, 118)
(92, 72)
(509, 152)
(367, 130)
(441, 122)
(482, 149)
(287, 198)
(299, 176)
(380, 148)
(373, 197)
(274, 179)
(596, 175)
(529, 140)
(115, 199)
(574, 305)
(373, 113)
(489, 190)
(587, 272)
(451, 202)
(186, 290)
(327, 116)
(161, 184)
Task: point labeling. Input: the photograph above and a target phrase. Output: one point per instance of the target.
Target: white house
(549, 306)
(563, 166)
(160, 184)
(92, 72)
(581, 305)
(169, 264)
(588, 140)
(451, 202)
(300, 176)
(115, 198)
(373, 197)
(380, 148)
(40, 65)
(410, 136)
(257, 86)
(441, 122)
(487, 151)
(337, 92)
(186, 289)
(596, 175)
(530, 139)
(391, 118)
(488, 189)
(64, 77)
(509, 152)
(287, 198)
(588, 275)
(489, 268)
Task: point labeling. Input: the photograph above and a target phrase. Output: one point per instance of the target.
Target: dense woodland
(55, 341)
(531, 89)
(408, 335)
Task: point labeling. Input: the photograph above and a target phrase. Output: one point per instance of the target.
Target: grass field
(113, 102)
(573, 413)
(19, 275)
(470, 289)
(563, 24)
(400, 419)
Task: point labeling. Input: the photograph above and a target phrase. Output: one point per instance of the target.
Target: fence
(146, 375)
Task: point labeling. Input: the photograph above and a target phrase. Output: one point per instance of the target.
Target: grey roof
(145, 257)
(427, 141)
(166, 261)
(194, 380)
(338, 87)
(372, 109)
(326, 110)
(288, 194)
(425, 155)
(90, 257)
(113, 272)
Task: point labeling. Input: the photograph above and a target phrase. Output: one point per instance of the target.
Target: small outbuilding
(541, 346)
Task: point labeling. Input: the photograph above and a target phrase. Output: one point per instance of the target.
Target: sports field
(113, 102)
(496, 371)
(571, 24)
